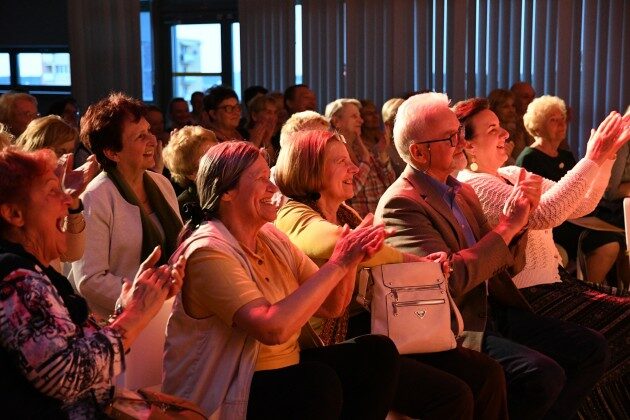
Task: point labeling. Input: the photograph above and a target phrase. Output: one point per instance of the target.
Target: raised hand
(530, 185)
(518, 205)
(150, 288)
(604, 142)
(74, 181)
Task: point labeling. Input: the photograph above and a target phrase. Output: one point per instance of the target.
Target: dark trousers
(355, 379)
(455, 384)
(550, 365)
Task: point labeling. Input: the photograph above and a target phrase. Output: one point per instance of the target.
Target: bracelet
(117, 311)
(78, 209)
(75, 223)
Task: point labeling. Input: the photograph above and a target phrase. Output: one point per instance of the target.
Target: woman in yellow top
(232, 340)
(316, 172)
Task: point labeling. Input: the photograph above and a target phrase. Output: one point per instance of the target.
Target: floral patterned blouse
(47, 337)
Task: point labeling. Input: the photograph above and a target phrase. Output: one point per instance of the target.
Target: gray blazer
(425, 224)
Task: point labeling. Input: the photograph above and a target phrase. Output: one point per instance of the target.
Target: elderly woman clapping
(53, 133)
(545, 120)
(129, 210)
(56, 361)
(232, 340)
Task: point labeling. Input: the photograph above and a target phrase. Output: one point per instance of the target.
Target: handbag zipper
(395, 290)
(396, 304)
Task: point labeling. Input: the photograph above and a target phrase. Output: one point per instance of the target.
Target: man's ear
(418, 153)
(12, 215)
(111, 155)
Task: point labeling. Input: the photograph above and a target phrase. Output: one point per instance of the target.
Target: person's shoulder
(100, 182)
(10, 263)
(566, 154)
(525, 155)
(162, 182)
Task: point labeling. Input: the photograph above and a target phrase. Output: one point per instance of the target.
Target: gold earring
(473, 163)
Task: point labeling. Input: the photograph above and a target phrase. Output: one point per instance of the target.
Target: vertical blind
(267, 43)
(577, 50)
(104, 38)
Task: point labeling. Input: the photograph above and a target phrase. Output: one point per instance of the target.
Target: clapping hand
(522, 200)
(74, 181)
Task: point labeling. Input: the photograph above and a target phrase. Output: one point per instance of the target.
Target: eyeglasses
(28, 114)
(231, 108)
(453, 139)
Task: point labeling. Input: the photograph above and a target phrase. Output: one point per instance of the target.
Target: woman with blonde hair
(53, 133)
(50, 132)
(182, 155)
(388, 113)
(375, 171)
(545, 120)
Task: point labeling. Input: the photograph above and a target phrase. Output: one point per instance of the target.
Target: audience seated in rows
(232, 343)
(315, 170)
(132, 210)
(550, 365)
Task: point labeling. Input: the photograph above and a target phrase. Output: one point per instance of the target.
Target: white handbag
(410, 303)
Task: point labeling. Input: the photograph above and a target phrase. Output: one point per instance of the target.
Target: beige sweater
(575, 195)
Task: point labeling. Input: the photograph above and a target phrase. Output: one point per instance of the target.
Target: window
(298, 44)
(196, 58)
(146, 56)
(5, 69)
(236, 57)
(43, 69)
(36, 70)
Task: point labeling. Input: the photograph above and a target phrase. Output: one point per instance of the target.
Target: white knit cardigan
(575, 195)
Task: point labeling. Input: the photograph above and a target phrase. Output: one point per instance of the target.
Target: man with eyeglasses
(550, 365)
(17, 109)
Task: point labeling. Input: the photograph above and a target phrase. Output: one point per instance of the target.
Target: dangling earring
(473, 163)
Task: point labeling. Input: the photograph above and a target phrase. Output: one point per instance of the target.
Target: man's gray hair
(411, 120)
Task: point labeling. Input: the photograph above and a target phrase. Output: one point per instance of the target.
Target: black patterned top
(55, 360)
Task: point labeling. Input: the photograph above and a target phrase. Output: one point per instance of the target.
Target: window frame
(34, 89)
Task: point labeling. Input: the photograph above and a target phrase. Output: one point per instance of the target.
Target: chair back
(144, 361)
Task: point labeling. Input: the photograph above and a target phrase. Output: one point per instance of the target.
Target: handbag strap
(365, 279)
(455, 310)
